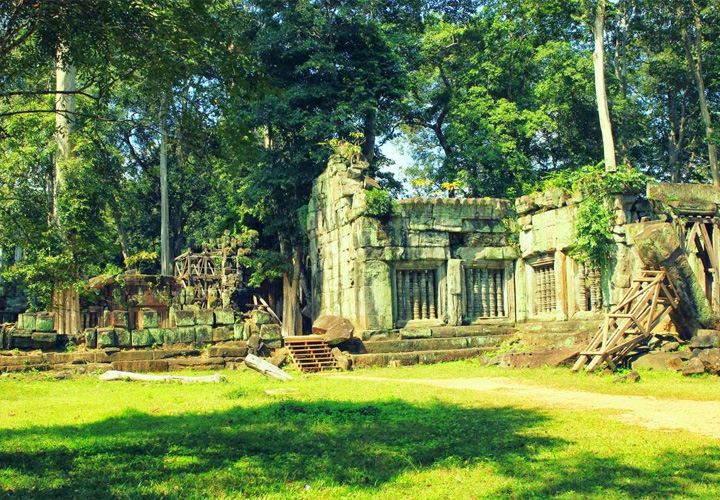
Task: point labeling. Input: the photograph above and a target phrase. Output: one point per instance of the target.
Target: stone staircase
(411, 346)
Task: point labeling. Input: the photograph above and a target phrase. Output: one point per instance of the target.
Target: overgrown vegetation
(379, 203)
(596, 212)
(335, 438)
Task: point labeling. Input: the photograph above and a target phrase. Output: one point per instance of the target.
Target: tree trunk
(122, 235)
(65, 81)
(368, 147)
(165, 261)
(695, 68)
(291, 322)
(600, 92)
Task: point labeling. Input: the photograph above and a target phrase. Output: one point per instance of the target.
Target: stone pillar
(454, 291)
(561, 279)
(374, 300)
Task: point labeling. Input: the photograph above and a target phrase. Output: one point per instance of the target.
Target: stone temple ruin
(450, 270)
(437, 279)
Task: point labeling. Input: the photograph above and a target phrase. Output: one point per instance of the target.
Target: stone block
(415, 333)
(239, 331)
(141, 338)
(270, 332)
(693, 367)
(273, 344)
(260, 317)
(157, 336)
(184, 318)
(231, 350)
(119, 319)
(224, 316)
(171, 336)
(45, 322)
(705, 339)
(21, 339)
(222, 333)
(205, 317)
(123, 337)
(106, 337)
(661, 361)
(147, 318)
(186, 334)
(156, 365)
(91, 337)
(203, 333)
(26, 321)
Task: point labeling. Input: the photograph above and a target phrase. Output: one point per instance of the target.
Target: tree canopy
(487, 96)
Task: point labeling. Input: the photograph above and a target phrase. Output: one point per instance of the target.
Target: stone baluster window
(544, 286)
(484, 293)
(590, 293)
(416, 294)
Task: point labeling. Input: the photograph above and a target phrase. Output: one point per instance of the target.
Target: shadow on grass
(276, 449)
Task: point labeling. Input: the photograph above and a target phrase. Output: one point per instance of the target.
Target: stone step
(418, 357)
(439, 332)
(559, 327)
(432, 344)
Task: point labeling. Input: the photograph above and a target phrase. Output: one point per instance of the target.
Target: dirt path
(700, 417)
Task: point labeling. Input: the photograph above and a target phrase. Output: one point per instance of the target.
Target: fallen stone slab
(334, 329)
(661, 361)
(693, 367)
(537, 359)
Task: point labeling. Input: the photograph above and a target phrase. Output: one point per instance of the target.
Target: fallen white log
(267, 369)
(144, 377)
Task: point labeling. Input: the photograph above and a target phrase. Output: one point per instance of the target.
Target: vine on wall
(596, 216)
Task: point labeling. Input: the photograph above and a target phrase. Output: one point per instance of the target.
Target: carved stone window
(485, 291)
(590, 289)
(416, 294)
(544, 285)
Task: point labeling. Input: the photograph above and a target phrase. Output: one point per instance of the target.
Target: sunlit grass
(337, 438)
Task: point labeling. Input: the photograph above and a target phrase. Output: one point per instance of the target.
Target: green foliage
(595, 216)
(141, 260)
(378, 203)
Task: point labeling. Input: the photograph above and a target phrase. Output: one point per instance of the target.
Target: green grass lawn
(350, 439)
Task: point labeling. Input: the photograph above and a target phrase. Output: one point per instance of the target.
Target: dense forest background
(227, 108)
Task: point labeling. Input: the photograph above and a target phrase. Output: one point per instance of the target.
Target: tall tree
(598, 31)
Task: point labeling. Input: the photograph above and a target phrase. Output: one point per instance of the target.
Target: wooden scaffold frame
(632, 321)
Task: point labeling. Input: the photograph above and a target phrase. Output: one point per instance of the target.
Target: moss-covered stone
(270, 332)
(123, 337)
(21, 339)
(91, 338)
(119, 319)
(203, 333)
(147, 318)
(141, 338)
(239, 331)
(106, 337)
(186, 334)
(44, 340)
(261, 317)
(171, 336)
(157, 335)
(45, 322)
(222, 333)
(224, 316)
(205, 317)
(273, 344)
(184, 318)
(26, 321)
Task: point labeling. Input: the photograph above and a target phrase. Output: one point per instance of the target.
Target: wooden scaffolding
(310, 353)
(632, 321)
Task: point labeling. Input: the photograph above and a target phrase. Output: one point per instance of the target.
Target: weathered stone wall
(361, 265)
(547, 222)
